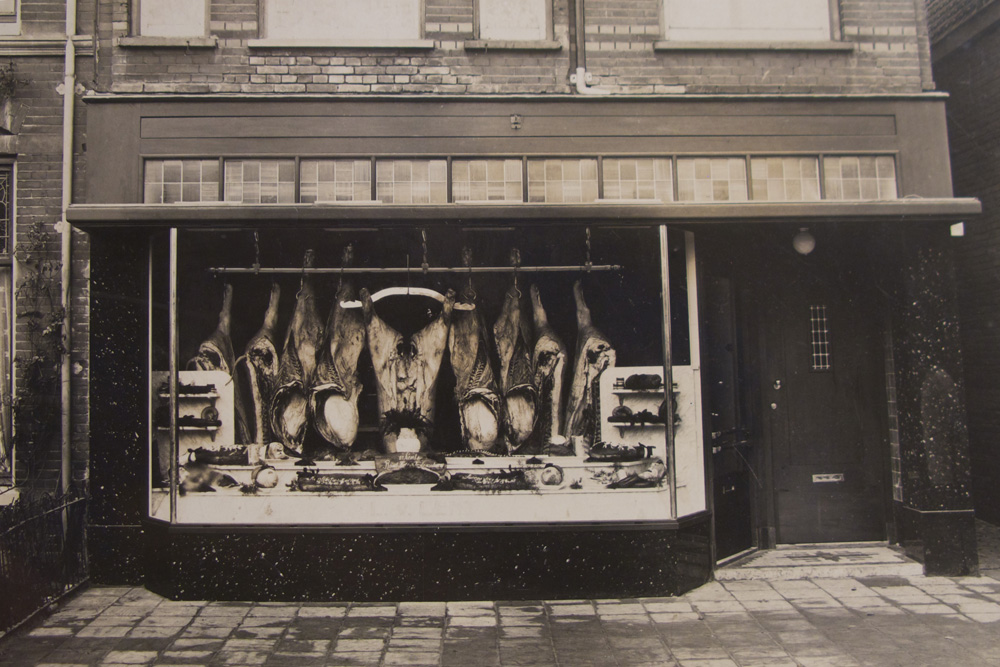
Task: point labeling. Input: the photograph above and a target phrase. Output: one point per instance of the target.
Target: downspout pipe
(578, 55)
(66, 234)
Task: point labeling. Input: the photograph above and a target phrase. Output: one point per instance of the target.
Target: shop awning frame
(124, 216)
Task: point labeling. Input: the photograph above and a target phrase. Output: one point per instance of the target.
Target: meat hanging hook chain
(515, 260)
(423, 245)
(467, 262)
(256, 251)
(588, 264)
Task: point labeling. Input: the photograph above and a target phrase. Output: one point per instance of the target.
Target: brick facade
(890, 55)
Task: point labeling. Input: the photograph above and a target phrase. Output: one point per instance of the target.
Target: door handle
(777, 384)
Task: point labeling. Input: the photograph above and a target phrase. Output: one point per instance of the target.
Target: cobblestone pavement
(835, 621)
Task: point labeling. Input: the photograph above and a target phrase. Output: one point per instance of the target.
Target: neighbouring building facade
(480, 299)
(965, 46)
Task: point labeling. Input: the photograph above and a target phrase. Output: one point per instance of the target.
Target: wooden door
(823, 399)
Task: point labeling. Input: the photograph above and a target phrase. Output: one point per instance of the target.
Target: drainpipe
(66, 234)
(578, 51)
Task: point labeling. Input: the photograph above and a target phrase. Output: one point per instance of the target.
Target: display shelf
(639, 392)
(207, 429)
(211, 395)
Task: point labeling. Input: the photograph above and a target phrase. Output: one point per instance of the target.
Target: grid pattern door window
(819, 327)
(514, 20)
(746, 20)
(343, 20)
(173, 18)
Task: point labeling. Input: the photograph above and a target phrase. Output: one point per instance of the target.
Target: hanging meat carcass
(520, 396)
(594, 354)
(548, 362)
(216, 354)
(297, 369)
(333, 405)
(257, 373)
(406, 374)
(475, 386)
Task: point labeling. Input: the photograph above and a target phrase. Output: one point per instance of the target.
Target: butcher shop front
(441, 349)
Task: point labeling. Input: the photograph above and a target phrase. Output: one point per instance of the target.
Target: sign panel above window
(746, 20)
(343, 20)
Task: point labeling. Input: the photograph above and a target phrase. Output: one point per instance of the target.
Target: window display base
(313, 564)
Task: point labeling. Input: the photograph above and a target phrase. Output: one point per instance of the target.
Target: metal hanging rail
(229, 270)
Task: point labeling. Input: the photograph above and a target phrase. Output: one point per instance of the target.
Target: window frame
(835, 34)
(136, 24)
(477, 26)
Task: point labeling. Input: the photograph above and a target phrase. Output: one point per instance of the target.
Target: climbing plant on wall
(39, 324)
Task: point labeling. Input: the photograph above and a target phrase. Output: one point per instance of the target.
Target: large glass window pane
(711, 179)
(860, 177)
(562, 180)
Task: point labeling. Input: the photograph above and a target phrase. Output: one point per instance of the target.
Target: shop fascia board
(322, 215)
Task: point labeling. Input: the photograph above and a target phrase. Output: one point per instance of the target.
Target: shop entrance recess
(822, 401)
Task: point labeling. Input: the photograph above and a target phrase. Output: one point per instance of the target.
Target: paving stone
(422, 608)
(422, 658)
(225, 657)
(130, 657)
(321, 611)
(346, 658)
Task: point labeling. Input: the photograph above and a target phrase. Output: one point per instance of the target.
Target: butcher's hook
(515, 260)
(256, 252)
(467, 261)
(346, 259)
(588, 265)
(423, 244)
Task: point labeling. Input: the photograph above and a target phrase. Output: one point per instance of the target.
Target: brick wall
(890, 56)
(943, 15)
(973, 80)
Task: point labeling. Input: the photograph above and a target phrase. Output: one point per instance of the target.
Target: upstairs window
(514, 20)
(343, 20)
(173, 18)
(8, 17)
(746, 20)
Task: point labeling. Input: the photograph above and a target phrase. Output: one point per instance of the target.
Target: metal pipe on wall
(66, 238)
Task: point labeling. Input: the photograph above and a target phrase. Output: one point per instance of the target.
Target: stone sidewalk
(888, 620)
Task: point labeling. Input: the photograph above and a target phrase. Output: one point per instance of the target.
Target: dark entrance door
(823, 399)
(733, 477)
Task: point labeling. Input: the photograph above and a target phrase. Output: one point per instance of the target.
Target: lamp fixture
(804, 242)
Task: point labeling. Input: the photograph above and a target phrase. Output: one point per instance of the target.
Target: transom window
(343, 20)
(173, 18)
(746, 20)
(514, 20)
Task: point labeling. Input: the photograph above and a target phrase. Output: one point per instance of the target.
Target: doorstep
(805, 561)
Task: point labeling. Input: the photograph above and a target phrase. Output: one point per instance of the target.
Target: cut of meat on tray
(475, 386)
(594, 354)
(257, 373)
(513, 340)
(406, 375)
(334, 402)
(216, 354)
(548, 363)
(297, 369)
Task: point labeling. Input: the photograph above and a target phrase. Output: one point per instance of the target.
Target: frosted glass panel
(172, 18)
(513, 19)
(343, 20)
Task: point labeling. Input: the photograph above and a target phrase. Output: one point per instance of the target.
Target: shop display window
(502, 375)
